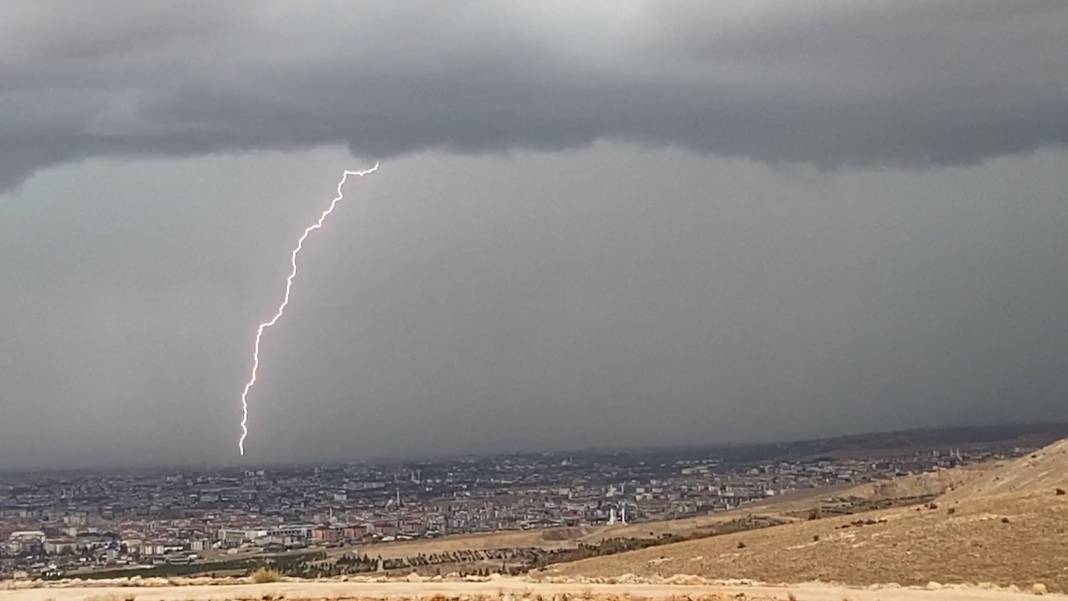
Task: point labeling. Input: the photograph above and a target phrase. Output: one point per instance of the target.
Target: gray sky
(625, 223)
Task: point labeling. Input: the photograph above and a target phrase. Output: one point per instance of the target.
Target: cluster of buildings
(53, 524)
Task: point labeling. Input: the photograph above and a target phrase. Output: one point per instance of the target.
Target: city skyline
(199, 520)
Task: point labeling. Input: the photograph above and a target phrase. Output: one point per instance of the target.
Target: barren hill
(1007, 540)
(1041, 472)
(1008, 526)
(927, 484)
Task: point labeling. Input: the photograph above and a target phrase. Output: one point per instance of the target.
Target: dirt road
(510, 586)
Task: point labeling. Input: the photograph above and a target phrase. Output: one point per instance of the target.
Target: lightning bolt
(285, 298)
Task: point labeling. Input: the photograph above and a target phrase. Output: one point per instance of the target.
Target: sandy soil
(511, 587)
(1045, 470)
(1007, 540)
(1006, 527)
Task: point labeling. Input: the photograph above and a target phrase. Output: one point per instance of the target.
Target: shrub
(265, 575)
(1060, 491)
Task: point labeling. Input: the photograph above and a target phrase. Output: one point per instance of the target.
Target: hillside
(791, 507)
(1000, 540)
(1007, 526)
(918, 485)
(1041, 472)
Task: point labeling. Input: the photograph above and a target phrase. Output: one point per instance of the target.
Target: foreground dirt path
(511, 586)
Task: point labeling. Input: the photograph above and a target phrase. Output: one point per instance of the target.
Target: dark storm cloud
(681, 279)
(828, 83)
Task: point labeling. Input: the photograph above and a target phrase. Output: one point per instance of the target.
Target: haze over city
(612, 225)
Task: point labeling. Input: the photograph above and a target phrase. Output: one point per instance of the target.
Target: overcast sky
(595, 224)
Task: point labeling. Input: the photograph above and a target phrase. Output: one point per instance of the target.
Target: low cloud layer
(829, 83)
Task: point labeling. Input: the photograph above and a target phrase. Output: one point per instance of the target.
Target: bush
(265, 575)
(1060, 491)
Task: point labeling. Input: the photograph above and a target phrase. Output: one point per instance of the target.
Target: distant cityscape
(55, 524)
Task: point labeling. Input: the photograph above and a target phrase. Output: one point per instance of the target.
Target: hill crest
(1042, 471)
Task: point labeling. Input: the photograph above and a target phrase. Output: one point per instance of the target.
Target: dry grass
(1006, 527)
(1045, 470)
(112, 597)
(903, 545)
(266, 575)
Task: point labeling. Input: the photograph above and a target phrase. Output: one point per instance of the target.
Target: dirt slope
(973, 544)
(1008, 539)
(918, 485)
(1041, 473)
